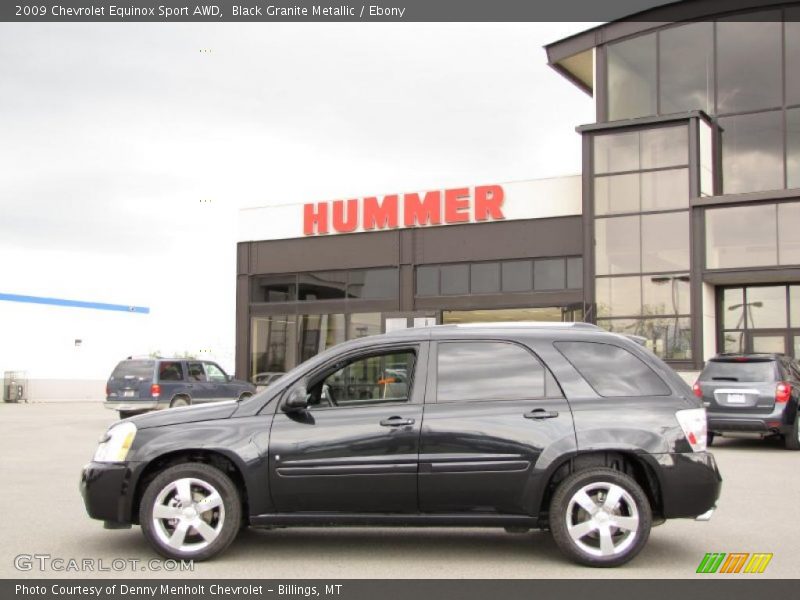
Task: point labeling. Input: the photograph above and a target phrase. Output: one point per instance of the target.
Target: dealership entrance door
(759, 318)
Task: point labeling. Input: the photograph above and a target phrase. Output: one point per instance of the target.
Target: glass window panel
(766, 307)
(665, 295)
(749, 63)
(323, 285)
(742, 236)
(549, 274)
(668, 338)
(274, 288)
(626, 326)
(617, 245)
(427, 281)
(273, 344)
(547, 313)
(687, 68)
(616, 194)
(616, 152)
(752, 152)
(707, 168)
(788, 236)
(665, 190)
(792, 37)
(665, 242)
(320, 332)
(373, 284)
(367, 381)
(575, 273)
(794, 306)
(363, 324)
(517, 276)
(632, 78)
(618, 296)
(793, 146)
(665, 147)
(485, 278)
(733, 341)
(455, 279)
(733, 308)
(483, 371)
(612, 370)
(769, 344)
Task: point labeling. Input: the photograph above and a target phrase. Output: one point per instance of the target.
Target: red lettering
(456, 205)
(380, 215)
(422, 212)
(488, 202)
(345, 221)
(315, 216)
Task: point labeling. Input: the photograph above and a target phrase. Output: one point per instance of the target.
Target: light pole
(672, 279)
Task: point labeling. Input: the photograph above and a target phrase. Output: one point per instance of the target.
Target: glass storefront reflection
(273, 344)
(320, 332)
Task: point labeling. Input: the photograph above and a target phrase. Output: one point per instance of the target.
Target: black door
(496, 410)
(356, 447)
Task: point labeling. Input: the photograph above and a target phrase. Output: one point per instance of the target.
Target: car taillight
(783, 392)
(155, 390)
(695, 428)
(697, 391)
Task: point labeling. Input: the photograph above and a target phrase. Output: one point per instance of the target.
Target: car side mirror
(229, 377)
(297, 400)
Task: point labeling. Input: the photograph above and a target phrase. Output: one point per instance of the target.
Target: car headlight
(114, 445)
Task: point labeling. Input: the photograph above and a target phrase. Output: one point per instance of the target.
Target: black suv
(562, 427)
(753, 394)
(141, 385)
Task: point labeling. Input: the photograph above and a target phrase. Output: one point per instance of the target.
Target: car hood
(186, 414)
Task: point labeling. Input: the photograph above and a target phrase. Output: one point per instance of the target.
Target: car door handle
(541, 413)
(396, 422)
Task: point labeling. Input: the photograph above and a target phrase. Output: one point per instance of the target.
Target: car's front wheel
(190, 511)
(600, 517)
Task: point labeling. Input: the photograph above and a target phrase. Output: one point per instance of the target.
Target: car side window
(215, 374)
(196, 372)
(484, 371)
(613, 371)
(374, 379)
(170, 371)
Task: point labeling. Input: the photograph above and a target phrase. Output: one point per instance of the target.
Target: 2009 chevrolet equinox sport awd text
(556, 426)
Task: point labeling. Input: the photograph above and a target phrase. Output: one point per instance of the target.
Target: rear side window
(139, 369)
(739, 371)
(613, 371)
(482, 371)
(170, 371)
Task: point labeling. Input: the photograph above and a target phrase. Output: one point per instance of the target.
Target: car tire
(709, 438)
(791, 440)
(608, 536)
(179, 401)
(181, 531)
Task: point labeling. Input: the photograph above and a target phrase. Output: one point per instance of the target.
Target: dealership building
(683, 228)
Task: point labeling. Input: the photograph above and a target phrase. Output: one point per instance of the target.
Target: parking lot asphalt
(44, 445)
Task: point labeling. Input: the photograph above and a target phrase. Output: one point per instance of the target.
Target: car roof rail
(532, 325)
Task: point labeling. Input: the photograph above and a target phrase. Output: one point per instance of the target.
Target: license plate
(736, 399)
(128, 393)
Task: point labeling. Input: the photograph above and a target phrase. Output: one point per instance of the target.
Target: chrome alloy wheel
(188, 514)
(602, 519)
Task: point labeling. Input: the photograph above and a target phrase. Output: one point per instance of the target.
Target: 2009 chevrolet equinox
(557, 426)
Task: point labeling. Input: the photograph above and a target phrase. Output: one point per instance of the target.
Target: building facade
(682, 228)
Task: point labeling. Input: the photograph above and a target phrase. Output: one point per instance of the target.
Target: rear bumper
(732, 421)
(108, 490)
(133, 405)
(690, 484)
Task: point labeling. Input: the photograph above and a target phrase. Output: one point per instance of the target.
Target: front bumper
(108, 490)
(690, 483)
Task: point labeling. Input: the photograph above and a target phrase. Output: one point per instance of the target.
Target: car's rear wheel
(180, 401)
(600, 517)
(190, 511)
(792, 439)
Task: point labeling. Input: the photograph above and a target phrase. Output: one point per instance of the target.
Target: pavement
(44, 445)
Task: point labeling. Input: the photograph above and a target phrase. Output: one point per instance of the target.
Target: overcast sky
(112, 134)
